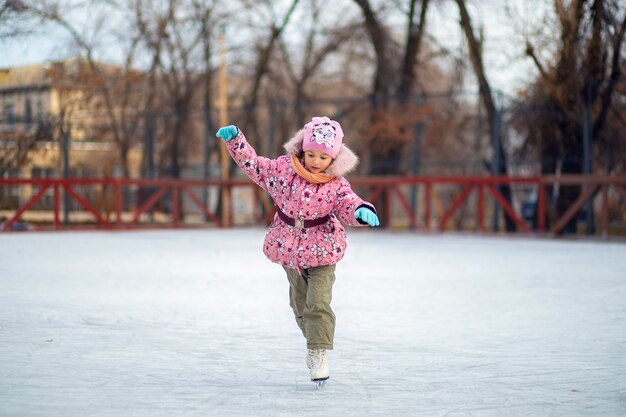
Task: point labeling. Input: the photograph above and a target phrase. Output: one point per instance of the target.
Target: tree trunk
(486, 96)
(415, 35)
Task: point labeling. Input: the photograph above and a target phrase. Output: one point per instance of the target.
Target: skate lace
(318, 358)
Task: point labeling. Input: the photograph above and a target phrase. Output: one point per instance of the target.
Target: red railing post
(427, 192)
(231, 208)
(57, 222)
(117, 192)
(541, 205)
(387, 204)
(605, 211)
(480, 211)
(175, 207)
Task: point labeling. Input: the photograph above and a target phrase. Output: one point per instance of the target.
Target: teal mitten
(227, 133)
(367, 215)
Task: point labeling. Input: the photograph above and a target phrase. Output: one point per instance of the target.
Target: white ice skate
(318, 364)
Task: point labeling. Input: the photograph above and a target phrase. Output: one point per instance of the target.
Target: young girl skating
(306, 236)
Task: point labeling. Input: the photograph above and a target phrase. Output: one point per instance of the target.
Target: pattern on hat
(323, 134)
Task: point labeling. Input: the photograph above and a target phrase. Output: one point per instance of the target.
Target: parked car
(17, 226)
(529, 211)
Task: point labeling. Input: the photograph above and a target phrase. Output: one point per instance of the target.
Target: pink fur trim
(294, 145)
(345, 161)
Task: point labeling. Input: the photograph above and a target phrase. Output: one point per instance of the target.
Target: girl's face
(316, 161)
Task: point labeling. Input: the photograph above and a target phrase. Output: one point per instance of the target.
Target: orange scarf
(309, 176)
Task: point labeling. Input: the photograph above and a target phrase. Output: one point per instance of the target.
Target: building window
(39, 111)
(9, 116)
(28, 112)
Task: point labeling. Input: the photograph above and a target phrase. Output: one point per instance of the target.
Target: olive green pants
(310, 294)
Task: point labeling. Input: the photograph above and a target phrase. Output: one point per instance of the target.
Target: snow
(197, 323)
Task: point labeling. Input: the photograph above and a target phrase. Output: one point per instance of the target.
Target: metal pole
(150, 147)
(208, 134)
(590, 220)
(415, 163)
(225, 157)
(66, 173)
(150, 169)
(496, 163)
(271, 129)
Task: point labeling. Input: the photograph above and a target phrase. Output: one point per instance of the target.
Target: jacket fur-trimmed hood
(345, 161)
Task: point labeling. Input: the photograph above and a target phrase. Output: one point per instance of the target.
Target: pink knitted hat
(322, 134)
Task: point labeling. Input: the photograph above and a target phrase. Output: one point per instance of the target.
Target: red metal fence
(418, 203)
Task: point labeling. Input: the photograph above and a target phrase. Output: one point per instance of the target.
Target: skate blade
(319, 383)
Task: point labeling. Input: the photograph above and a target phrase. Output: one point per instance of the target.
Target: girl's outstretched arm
(254, 166)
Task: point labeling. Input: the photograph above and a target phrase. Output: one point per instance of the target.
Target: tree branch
(413, 46)
(613, 79)
(530, 51)
(378, 35)
(265, 55)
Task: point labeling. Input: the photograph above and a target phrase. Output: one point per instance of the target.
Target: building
(52, 125)
(41, 106)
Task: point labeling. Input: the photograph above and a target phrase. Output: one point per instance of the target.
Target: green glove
(227, 133)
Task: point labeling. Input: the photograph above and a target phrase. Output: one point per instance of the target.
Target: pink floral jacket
(287, 245)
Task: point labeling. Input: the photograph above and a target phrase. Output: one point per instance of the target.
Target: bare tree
(111, 87)
(177, 38)
(152, 33)
(415, 34)
(205, 22)
(318, 47)
(14, 19)
(499, 163)
(394, 80)
(17, 21)
(575, 91)
(265, 50)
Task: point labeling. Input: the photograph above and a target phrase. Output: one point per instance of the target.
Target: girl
(306, 236)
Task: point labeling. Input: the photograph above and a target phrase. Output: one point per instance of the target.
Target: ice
(197, 323)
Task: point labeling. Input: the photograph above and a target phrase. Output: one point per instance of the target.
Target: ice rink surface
(197, 323)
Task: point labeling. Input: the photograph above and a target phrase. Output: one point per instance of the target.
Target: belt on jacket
(301, 223)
